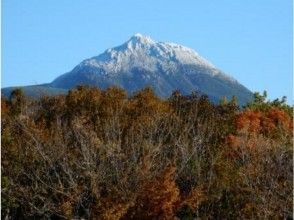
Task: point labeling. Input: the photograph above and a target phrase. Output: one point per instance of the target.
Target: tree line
(101, 154)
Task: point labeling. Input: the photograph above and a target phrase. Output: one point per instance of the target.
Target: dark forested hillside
(96, 154)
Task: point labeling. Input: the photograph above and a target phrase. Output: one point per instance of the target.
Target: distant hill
(35, 90)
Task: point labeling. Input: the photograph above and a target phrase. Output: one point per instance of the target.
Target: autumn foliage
(101, 154)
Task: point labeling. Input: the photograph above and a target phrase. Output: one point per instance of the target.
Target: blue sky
(250, 40)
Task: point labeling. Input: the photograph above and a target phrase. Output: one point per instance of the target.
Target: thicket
(96, 154)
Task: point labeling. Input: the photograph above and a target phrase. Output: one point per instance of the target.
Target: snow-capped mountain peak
(141, 39)
(145, 53)
(141, 62)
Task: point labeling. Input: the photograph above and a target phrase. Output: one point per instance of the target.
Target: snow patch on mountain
(142, 52)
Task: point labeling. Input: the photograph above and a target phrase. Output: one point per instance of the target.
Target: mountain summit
(143, 52)
(142, 62)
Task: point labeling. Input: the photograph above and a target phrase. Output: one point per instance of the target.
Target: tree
(17, 101)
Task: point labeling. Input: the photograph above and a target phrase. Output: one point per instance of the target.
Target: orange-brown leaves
(276, 118)
(145, 108)
(233, 140)
(112, 102)
(145, 104)
(4, 107)
(270, 122)
(194, 199)
(249, 120)
(110, 209)
(157, 199)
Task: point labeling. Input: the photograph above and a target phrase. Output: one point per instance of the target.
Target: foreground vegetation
(96, 154)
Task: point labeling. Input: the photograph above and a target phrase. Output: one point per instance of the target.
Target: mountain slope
(165, 67)
(35, 91)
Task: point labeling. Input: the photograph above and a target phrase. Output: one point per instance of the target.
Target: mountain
(35, 90)
(142, 62)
